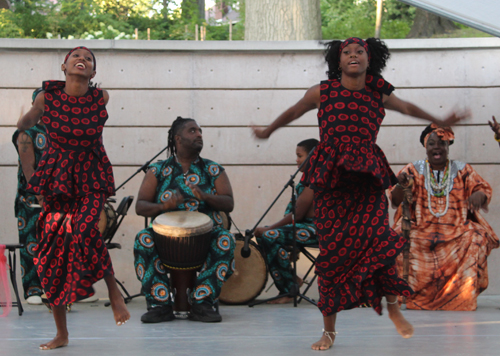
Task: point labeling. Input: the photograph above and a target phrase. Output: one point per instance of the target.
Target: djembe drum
(182, 239)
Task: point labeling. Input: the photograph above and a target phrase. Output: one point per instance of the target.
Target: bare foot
(282, 300)
(403, 327)
(58, 341)
(120, 310)
(286, 300)
(325, 342)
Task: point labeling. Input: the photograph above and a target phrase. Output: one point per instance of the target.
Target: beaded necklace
(438, 189)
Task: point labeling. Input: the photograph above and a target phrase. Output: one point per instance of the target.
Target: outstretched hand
(259, 132)
(495, 126)
(456, 117)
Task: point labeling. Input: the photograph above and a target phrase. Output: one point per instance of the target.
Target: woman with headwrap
(450, 240)
(349, 174)
(75, 178)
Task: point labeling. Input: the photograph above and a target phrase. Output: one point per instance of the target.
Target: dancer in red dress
(75, 178)
(349, 174)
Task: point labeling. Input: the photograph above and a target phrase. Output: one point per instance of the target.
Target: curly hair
(177, 126)
(379, 54)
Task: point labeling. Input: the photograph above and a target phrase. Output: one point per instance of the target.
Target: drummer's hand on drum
(173, 202)
(197, 192)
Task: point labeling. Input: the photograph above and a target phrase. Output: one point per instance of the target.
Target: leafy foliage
(346, 18)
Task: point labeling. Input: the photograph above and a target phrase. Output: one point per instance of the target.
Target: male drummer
(184, 181)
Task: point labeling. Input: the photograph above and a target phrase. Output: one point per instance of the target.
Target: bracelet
(496, 138)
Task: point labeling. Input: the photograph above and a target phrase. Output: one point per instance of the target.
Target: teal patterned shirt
(202, 173)
(37, 135)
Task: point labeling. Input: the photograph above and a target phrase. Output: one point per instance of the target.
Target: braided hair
(177, 126)
(379, 54)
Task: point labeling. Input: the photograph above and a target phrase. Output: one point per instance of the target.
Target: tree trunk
(426, 25)
(201, 9)
(282, 20)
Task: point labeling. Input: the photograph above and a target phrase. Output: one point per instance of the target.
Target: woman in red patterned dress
(75, 177)
(349, 174)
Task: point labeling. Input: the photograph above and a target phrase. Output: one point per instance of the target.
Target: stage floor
(262, 330)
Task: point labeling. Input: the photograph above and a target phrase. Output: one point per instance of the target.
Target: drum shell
(189, 252)
(249, 278)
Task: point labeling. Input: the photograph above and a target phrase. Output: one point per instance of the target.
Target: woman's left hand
(197, 192)
(455, 117)
(477, 200)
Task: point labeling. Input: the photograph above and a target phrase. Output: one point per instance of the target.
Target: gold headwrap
(444, 133)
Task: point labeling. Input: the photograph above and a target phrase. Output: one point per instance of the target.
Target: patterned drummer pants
(277, 242)
(27, 219)
(218, 267)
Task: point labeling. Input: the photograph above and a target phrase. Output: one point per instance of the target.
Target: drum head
(249, 278)
(182, 224)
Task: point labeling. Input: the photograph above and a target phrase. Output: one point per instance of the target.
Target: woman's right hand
(259, 132)
(173, 202)
(404, 179)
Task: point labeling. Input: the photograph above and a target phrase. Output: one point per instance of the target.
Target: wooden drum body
(249, 277)
(182, 239)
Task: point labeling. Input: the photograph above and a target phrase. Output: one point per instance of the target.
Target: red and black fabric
(71, 255)
(349, 174)
(75, 177)
(75, 162)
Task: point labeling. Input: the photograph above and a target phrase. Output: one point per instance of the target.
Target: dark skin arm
(304, 208)
(223, 200)
(310, 101)
(33, 115)
(392, 102)
(397, 194)
(146, 206)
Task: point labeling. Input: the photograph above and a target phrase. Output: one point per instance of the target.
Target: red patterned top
(349, 122)
(75, 161)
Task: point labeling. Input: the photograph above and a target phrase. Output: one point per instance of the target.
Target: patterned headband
(81, 47)
(444, 133)
(357, 40)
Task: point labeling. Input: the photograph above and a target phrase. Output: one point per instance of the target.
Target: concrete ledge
(238, 46)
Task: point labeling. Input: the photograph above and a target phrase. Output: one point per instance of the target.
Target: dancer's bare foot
(326, 341)
(120, 310)
(58, 341)
(403, 327)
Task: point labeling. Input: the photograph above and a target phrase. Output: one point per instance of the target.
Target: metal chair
(12, 271)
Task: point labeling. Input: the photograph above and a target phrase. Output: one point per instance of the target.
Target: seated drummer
(275, 238)
(184, 181)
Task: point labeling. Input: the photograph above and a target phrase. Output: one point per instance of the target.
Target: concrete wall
(228, 85)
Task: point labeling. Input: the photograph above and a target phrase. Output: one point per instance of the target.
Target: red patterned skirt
(358, 249)
(71, 254)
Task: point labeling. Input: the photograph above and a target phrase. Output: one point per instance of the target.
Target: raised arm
(392, 102)
(34, 114)
(311, 100)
